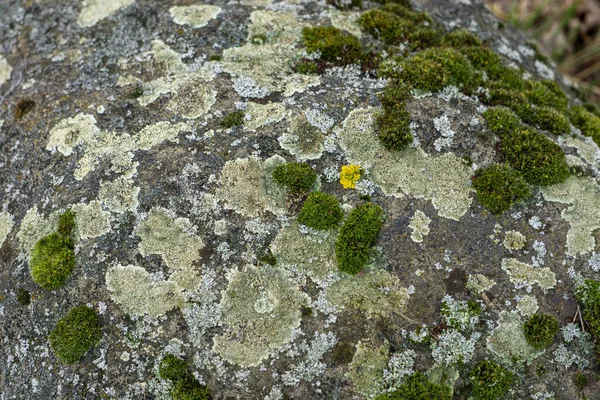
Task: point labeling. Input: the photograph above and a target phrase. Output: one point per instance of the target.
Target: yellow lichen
(349, 175)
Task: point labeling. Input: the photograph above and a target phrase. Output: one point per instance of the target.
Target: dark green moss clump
(358, 233)
(53, 256)
(540, 330)
(75, 334)
(393, 124)
(336, 46)
(499, 187)
(489, 381)
(418, 387)
(259, 39)
(23, 297)
(172, 368)
(460, 38)
(588, 295)
(396, 23)
(320, 211)
(185, 385)
(215, 57)
(23, 107)
(586, 121)
(235, 118)
(307, 68)
(539, 159)
(297, 178)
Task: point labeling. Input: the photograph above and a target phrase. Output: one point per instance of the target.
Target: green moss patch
(23, 297)
(499, 187)
(335, 46)
(358, 233)
(75, 334)
(172, 368)
(540, 330)
(586, 121)
(297, 178)
(235, 118)
(185, 385)
(588, 295)
(53, 256)
(417, 387)
(539, 159)
(320, 211)
(393, 124)
(460, 38)
(489, 381)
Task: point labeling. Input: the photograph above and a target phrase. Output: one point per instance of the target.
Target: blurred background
(567, 31)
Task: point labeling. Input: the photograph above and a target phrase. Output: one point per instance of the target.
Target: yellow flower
(349, 175)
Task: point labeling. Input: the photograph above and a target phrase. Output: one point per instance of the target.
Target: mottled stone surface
(126, 130)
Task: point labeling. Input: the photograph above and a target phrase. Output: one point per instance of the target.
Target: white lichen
(6, 224)
(94, 11)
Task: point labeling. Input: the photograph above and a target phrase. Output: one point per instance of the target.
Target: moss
(508, 341)
(499, 187)
(307, 68)
(460, 38)
(23, 296)
(538, 54)
(540, 330)
(335, 46)
(425, 37)
(546, 93)
(417, 387)
(135, 92)
(235, 118)
(539, 159)
(349, 175)
(433, 69)
(586, 121)
(320, 211)
(53, 256)
(393, 124)
(489, 381)
(268, 258)
(189, 389)
(358, 233)
(588, 295)
(384, 25)
(23, 107)
(172, 368)
(581, 380)
(75, 334)
(546, 118)
(215, 57)
(258, 39)
(297, 178)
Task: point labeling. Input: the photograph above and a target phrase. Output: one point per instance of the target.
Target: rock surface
(174, 211)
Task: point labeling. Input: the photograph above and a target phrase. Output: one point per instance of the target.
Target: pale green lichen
(583, 197)
(278, 27)
(259, 115)
(260, 309)
(444, 180)
(479, 283)
(443, 375)
(586, 147)
(247, 187)
(303, 140)
(97, 145)
(197, 16)
(375, 292)
(174, 239)
(138, 292)
(366, 369)
(91, 220)
(5, 70)
(309, 254)
(527, 305)
(419, 224)
(525, 274)
(6, 224)
(514, 240)
(34, 227)
(346, 21)
(119, 196)
(508, 341)
(94, 11)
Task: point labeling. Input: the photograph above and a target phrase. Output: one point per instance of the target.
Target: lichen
(247, 187)
(366, 369)
(514, 240)
(197, 16)
(277, 27)
(527, 305)
(376, 292)
(303, 140)
(6, 224)
(583, 197)
(91, 220)
(138, 292)
(174, 239)
(259, 115)
(346, 21)
(479, 283)
(94, 11)
(508, 341)
(119, 196)
(444, 180)
(254, 332)
(526, 275)
(349, 175)
(5, 70)
(33, 227)
(419, 224)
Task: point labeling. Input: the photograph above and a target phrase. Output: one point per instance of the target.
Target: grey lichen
(6, 224)
(91, 220)
(94, 11)
(260, 309)
(119, 195)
